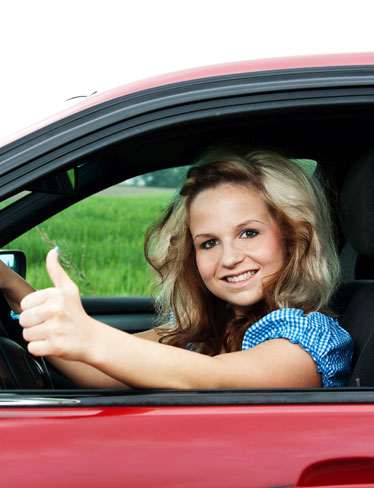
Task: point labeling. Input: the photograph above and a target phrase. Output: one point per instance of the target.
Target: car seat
(356, 212)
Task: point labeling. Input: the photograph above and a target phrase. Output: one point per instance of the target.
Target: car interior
(357, 223)
(335, 134)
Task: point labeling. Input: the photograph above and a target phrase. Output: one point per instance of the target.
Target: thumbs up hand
(53, 319)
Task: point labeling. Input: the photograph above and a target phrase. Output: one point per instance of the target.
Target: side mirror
(16, 260)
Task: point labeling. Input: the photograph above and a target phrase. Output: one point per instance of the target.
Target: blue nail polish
(14, 316)
(57, 249)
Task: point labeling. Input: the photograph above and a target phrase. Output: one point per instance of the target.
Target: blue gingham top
(330, 346)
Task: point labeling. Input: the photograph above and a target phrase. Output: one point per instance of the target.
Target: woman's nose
(231, 256)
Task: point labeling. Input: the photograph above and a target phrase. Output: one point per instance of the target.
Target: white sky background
(52, 50)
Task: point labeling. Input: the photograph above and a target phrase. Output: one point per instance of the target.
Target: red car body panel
(182, 446)
(291, 62)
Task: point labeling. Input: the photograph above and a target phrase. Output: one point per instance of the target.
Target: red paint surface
(251, 446)
(204, 72)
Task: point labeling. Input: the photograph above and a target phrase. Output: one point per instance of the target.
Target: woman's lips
(240, 277)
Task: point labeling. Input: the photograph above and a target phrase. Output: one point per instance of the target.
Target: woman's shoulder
(319, 334)
(311, 327)
(296, 316)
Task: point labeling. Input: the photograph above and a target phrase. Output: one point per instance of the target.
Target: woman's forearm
(146, 364)
(84, 375)
(13, 286)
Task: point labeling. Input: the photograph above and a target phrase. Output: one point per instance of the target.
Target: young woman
(247, 266)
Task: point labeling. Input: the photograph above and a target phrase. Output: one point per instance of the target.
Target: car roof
(258, 65)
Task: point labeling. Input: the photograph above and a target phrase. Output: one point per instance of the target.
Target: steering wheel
(18, 368)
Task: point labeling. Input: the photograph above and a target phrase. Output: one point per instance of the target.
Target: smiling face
(238, 244)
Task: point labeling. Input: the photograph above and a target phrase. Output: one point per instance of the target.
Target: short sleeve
(330, 345)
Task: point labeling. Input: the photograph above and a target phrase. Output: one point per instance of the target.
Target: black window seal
(186, 398)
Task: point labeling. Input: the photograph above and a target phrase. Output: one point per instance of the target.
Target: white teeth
(242, 277)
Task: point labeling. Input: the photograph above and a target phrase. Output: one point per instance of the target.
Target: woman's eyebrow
(205, 236)
(247, 222)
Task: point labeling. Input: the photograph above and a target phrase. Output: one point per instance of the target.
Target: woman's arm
(86, 376)
(55, 323)
(143, 364)
(13, 286)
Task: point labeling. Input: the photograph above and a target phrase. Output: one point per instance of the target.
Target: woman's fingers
(36, 333)
(37, 298)
(56, 272)
(30, 318)
(39, 348)
(39, 307)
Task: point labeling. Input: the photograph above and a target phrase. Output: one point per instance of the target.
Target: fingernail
(14, 316)
(57, 249)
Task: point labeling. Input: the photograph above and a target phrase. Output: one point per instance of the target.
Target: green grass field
(103, 238)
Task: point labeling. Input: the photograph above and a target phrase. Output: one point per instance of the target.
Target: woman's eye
(209, 244)
(249, 233)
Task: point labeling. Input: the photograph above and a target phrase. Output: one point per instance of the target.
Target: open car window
(101, 238)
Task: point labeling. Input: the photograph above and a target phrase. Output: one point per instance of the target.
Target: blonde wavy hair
(297, 203)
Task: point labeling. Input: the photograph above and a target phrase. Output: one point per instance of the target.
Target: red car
(318, 109)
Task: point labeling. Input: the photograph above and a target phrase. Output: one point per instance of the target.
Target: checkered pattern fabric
(330, 346)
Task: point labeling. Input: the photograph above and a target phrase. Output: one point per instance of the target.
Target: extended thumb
(56, 272)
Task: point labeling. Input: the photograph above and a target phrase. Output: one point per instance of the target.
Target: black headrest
(357, 205)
